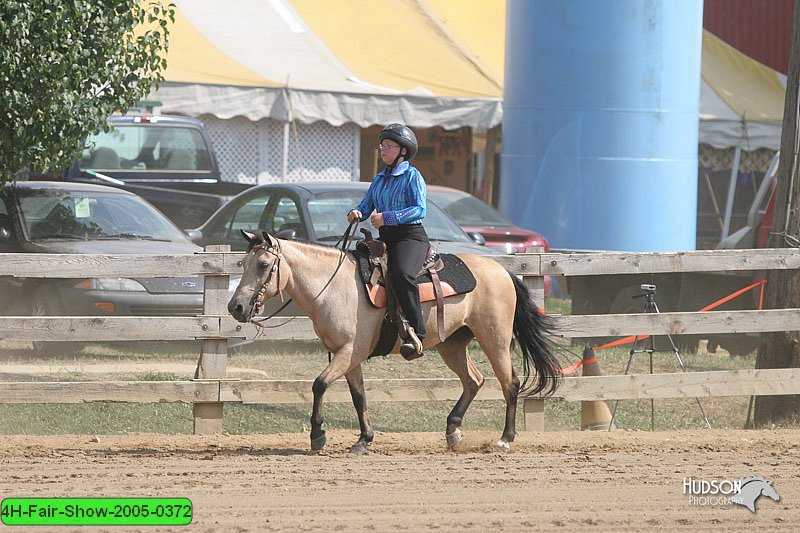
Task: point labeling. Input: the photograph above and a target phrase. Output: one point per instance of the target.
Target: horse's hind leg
(355, 380)
(455, 355)
(499, 354)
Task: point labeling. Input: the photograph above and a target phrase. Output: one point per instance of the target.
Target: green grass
(306, 359)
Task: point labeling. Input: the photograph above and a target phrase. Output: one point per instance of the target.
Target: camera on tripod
(649, 291)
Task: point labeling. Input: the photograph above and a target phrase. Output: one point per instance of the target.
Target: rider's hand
(354, 215)
(376, 219)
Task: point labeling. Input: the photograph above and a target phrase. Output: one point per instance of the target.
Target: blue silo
(600, 122)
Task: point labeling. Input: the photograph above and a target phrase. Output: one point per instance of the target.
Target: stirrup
(412, 346)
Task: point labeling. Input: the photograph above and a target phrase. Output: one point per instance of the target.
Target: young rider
(395, 202)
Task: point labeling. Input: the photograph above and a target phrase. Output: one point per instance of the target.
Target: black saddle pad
(455, 272)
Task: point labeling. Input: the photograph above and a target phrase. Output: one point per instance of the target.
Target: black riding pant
(407, 247)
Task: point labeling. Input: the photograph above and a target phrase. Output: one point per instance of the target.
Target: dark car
(316, 211)
(77, 218)
(167, 160)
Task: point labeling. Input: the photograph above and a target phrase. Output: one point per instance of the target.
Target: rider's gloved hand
(354, 215)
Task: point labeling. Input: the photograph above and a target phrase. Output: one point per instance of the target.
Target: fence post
(213, 352)
(533, 408)
(535, 284)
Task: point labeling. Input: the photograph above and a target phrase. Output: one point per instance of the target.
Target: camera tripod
(650, 306)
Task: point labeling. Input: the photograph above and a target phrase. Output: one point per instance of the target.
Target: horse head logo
(752, 488)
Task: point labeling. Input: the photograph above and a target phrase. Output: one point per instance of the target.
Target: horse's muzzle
(239, 311)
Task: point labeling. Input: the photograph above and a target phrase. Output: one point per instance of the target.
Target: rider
(395, 201)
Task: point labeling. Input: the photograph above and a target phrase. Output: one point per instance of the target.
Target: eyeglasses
(388, 147)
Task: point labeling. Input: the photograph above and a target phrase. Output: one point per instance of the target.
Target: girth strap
(437, 290)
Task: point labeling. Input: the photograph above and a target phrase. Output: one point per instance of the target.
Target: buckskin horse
(324, 283)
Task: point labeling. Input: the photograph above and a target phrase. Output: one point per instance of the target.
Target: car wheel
(46, 302)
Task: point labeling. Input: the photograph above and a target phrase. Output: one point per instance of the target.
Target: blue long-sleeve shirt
(400, 196)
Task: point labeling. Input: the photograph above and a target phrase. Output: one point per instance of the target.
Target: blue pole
(600, 122)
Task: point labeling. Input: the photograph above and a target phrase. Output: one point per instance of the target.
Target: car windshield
(61, 214)
(138, 148)
(468, 210)
(328, 209)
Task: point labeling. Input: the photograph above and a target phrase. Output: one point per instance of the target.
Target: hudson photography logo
(744, 491)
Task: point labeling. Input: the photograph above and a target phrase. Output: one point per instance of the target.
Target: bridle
(275, 269)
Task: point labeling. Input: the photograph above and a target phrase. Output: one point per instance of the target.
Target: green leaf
(86, 65)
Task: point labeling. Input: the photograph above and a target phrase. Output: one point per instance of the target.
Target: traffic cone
(595, 415)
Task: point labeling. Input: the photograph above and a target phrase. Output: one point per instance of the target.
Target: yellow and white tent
(425, 62)
(741, 100)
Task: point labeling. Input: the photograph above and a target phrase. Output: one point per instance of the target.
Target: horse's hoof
(454, 438)
(359, 448)
(318, 443)
(502, 445)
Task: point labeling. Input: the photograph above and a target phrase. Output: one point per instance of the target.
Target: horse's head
(261, 276)
(769, 491)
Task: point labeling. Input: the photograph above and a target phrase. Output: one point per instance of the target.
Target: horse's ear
(251, 237)
(268, 239)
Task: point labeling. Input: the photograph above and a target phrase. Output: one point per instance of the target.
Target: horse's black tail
(530, 327)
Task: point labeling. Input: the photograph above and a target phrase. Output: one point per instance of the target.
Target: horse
(752, 488)
(324, 283)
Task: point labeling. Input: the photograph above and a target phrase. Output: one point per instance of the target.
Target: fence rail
(215, 327)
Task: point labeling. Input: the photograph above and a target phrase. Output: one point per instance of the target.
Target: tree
(782, 349)
(65, 66)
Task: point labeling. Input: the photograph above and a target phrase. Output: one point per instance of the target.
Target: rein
(258, 302)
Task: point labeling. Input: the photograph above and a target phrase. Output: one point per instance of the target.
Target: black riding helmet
(402, 135)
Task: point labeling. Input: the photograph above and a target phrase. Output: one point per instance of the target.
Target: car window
(5, 223)
(51, 214)
(286, 217)
(141, 148)
(247, 214)
(328, 212)
(468, 210)
(440, 227)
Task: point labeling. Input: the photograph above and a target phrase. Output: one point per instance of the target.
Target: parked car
(475, 216)
(169, 161)
(316, 212)
(77, 218)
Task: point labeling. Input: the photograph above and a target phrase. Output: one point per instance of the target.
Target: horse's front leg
(355, 380)
(339, 365)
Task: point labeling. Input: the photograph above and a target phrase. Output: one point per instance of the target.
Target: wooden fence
(210, 389)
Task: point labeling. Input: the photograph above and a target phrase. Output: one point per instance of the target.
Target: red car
(478, 218)
(474, 216)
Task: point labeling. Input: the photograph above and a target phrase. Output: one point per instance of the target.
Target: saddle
(372, 265)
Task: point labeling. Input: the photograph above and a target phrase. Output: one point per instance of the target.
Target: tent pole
(726, 229)
(285, 158)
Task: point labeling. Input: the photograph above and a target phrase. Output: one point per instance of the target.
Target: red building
(762, 29)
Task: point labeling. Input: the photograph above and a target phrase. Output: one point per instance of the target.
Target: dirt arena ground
(570, 481)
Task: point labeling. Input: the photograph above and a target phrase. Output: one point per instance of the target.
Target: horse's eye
(264, 265)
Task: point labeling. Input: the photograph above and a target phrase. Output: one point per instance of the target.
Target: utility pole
(782, 349)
